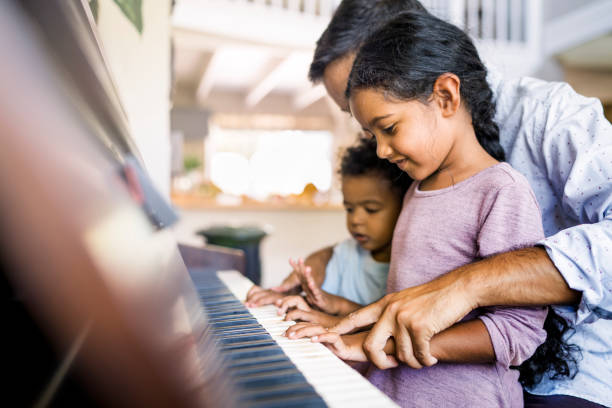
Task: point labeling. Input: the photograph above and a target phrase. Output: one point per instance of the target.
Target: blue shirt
(562, 143)
(353, 274)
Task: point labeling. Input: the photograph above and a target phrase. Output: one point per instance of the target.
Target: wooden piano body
(99, 308)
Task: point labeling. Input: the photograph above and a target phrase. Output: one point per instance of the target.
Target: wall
(552, 9)
(292, 233)
(140, 65)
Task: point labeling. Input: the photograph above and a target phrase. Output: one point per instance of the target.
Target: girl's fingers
(374, 344)
(306, 331)
(293, 328)
(291, 301)
(303, 315)
(403, 347)
(328, 337)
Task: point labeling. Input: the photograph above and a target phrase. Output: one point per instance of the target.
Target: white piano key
(336, 382)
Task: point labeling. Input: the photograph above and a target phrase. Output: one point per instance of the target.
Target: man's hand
(413, 316)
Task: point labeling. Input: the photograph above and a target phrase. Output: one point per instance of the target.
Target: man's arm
(413, 316)
(516, 278)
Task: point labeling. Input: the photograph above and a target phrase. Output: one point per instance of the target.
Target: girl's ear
(447, 93)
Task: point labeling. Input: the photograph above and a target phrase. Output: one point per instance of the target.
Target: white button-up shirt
(562, 143)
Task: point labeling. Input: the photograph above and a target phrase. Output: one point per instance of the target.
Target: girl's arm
(465, 342)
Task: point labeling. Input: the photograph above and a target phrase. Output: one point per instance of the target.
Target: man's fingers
(374, 344)
(359, 318)
(420, 341)
(403, 347)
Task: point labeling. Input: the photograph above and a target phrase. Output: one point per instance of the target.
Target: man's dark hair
(351, 25)
(361, 160)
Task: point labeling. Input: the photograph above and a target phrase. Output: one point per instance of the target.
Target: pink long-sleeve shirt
(493, 211)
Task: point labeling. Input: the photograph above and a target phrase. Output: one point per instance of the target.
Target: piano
(101, 306)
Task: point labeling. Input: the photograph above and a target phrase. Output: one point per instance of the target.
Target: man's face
(335, 79)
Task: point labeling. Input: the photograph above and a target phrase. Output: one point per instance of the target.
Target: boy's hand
(258, 296)
(348, 347)
(289, 285)
(296, 309)
(314, 294)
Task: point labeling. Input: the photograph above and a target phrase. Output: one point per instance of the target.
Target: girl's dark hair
(361, 160)
(405, 58)
(351, 25)
(555, 357)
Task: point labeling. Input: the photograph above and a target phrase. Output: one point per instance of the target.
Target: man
(567, 157)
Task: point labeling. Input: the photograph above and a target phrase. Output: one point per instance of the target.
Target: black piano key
(236, 329)
(255, 363)
(262, 351)
(278, 391)
(239, 338)
(231, 331)
(311, 400)
(261, 368)
(247, 344)
(271, 378)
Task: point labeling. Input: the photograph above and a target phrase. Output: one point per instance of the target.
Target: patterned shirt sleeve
(577, 154)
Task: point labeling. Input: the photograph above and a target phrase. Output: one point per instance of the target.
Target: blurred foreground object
(100, 308)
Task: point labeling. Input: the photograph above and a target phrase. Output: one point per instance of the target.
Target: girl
(419, 88)
(356, 274)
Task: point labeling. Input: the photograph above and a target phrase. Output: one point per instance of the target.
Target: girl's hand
(348, 347)
(299, 330)
(313, 316)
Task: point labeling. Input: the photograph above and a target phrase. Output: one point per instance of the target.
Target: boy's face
(372, 208)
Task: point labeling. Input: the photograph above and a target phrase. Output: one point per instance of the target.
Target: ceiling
(247, 53)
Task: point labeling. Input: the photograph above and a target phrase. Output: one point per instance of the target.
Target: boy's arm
(342, 306)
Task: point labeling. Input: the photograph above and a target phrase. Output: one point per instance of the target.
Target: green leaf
(133, 11)
(93, 5)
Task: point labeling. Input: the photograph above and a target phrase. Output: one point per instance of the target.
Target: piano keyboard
(270, 369)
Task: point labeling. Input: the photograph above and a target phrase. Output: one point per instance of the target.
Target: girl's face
(411, 134)
(372, 208)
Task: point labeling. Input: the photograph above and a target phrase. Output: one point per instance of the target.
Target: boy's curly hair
(361, 159)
